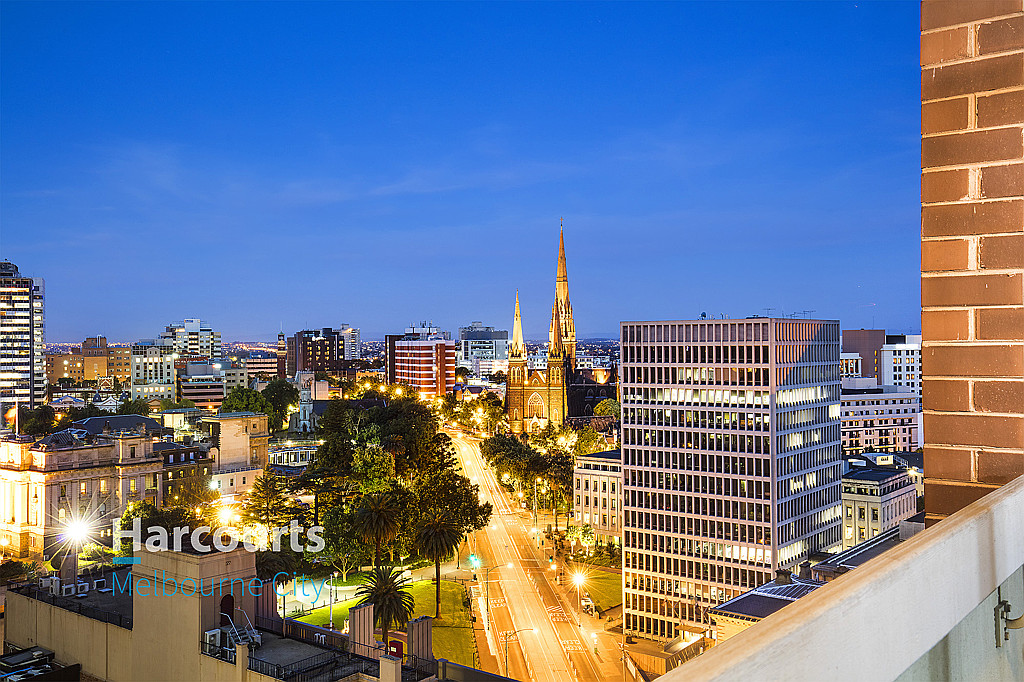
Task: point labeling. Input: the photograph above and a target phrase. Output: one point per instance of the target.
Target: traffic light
(474, 561)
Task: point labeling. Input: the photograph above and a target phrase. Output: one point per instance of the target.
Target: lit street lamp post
(487, 591)
(509, 637)
(578, 579)
(332, 601)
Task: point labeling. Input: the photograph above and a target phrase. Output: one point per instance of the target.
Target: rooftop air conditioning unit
(55, 586)
(211, 638)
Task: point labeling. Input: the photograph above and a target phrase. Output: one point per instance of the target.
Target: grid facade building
(22, 338)
(900, 360)
(427, 365)
(193, 338)
(597, 481)
(875, 500)
(880, 419)
(731, 461)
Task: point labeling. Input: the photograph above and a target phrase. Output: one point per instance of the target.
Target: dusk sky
(304, 165)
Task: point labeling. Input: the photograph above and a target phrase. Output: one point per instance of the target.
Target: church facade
(538, 397)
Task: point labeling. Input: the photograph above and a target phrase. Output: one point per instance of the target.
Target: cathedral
(538, 397)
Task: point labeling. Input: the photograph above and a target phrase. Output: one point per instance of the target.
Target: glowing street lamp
(487, 589)
(578, 579)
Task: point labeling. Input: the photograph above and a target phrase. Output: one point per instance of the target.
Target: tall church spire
(518, 346)
(562, 278)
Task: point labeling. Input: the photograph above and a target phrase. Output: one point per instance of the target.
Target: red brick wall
(972, 248)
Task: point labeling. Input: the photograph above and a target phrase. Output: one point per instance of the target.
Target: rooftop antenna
(768, 312)
(807, 313)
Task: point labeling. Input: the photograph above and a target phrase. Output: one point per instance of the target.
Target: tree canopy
(281, 394)
(242, 399)
(609, 407)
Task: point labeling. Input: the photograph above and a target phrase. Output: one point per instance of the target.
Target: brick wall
(972, 248)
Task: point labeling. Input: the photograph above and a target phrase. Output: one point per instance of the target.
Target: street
(523, 598)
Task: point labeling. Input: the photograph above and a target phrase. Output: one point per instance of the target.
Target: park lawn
(605, 589)
(453, 633)
(355, 578)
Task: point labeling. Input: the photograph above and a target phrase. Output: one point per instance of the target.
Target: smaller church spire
(562, 277)
(518, 346)
(556, 348)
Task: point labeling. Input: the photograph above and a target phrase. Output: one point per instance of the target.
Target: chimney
(106, 427)
(783, 576)
(805, 570)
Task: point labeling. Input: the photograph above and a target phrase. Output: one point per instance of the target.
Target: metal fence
(311, 634)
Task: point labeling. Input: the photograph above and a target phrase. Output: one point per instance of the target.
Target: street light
(535, 482)
(332, 600)
(578, 579)
(487, 592)
(4, 541)
(509, 637)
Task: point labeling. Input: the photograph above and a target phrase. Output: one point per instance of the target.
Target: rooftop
(119, 422)
(765, 600)
(615, 455)
(873, 474)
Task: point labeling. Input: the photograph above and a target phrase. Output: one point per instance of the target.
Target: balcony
(926, 609)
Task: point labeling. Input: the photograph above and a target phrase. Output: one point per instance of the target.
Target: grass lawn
(453, 633)
(604, 588)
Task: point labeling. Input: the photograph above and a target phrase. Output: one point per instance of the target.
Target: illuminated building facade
(22, 338)
(731, 461)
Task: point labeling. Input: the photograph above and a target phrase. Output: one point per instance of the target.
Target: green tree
(41, 421)
(282, 394)
(608, 407)
(138, 406)
(377, 520)
(373, 467)
(84, 412)
(461, 374)
(346, 550)
(498, 377)
(149, 515)
(447, 494)
(242, 399)
(268, 503)
(558, 468)
(194, 491)
(389, 593)
(326, 477)
(437, 538)
(270, 563)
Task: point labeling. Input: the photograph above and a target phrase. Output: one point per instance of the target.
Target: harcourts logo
(158, 539)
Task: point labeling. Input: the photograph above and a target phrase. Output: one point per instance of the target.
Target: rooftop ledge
(890, 618)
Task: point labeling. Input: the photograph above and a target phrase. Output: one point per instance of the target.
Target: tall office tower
(900, 361)
(351, 342)
(731, 461)
(193, 340)
(482, 349)
(22, 338)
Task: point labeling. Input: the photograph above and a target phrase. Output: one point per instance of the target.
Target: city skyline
(305, 184)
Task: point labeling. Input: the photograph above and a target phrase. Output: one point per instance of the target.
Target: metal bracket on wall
(1004, 623)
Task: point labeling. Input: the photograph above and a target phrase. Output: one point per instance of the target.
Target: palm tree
(437, 539)
(377, 520)
(388, 591)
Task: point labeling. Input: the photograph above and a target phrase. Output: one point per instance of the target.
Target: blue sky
(260, 165)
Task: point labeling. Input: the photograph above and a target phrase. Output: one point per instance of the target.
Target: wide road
(521, 597)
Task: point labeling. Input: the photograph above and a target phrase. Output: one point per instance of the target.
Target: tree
(41, 421)
(268, 504)
(325, 478)
(167, 518)
(346, 550)
(437, 538)
(377, 520)
(243, 399)
(373, 467)
(138, 406)
(282, 395)
(84, 412)
(451, 496)
(498, 377)
(270, 563)
(608, 407)
(194, 491)
(389, 593)
(558, 467)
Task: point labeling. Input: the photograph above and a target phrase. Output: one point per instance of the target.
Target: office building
(875, 499)
(900, 361)
(482, 350)
(153, 373)
(428, 366)
(22, 339)
(282, 356)
(203, 384)
(597, 487)
(193, 339)
(867, 343)
(849, 365)
(70, 475)
(261, 365)
(879, 418)
(731, 461)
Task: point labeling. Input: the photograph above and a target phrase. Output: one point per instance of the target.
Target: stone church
(538, 397)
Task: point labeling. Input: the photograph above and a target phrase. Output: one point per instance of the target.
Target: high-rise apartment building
(194, 340)
(22, 338)
(426, 331)
(282, 356)
(351, 343)
(95, 359)
(731, 461)
(428, 365)
(900, 361)
(868, 344)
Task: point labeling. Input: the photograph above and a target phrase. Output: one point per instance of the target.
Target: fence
(311, 634)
